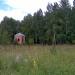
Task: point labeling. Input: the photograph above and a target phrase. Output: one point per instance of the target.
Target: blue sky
(17, 9)
(4, 6)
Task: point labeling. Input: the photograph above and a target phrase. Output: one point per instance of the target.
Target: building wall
(20, 39)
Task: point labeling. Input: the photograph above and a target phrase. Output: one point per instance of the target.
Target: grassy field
(37, 60)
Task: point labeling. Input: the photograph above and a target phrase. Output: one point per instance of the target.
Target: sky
(17, 9)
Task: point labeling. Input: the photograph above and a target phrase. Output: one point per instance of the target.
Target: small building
(19, 38)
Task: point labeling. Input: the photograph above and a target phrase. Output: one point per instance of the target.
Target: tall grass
(37, 60)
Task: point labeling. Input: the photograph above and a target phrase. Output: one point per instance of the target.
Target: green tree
(38, 26)
(11, 26)
(26, 27)
(65, 11)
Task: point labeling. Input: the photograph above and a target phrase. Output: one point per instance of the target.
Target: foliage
(56, 25)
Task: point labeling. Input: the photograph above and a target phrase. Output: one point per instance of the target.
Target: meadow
(37, 60)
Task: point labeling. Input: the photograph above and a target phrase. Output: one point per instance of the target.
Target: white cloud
(16, 14)
(29, 6)
(22, 7)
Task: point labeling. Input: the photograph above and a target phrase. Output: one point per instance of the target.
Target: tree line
(55, 25)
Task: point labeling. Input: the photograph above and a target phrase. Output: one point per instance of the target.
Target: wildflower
(17, 58)
(26, 60)
(34, 63)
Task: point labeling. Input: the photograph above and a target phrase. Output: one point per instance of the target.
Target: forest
(55, 25)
